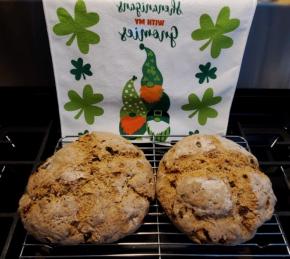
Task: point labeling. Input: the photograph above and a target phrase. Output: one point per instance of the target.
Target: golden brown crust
(96, 189)
(213, 191)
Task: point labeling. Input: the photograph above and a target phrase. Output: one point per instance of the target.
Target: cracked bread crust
(96, 189)
(213, 191)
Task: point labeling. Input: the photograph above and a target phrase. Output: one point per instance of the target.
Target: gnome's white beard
(157, 127)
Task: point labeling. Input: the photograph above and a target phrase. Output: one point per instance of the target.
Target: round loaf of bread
(96, 189)
(212, 189)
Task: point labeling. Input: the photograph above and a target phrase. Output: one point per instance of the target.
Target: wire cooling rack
(157, 237)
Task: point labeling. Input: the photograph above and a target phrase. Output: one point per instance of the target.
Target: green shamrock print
(214, 33)
(206, 73)
(80, 69)
(85, 104)
(83, 133)
(77, 27)
(193, 132)
(202, 107)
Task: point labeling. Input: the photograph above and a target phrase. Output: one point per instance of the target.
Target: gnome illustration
(149, 111)
(155, 99)
(151, 82)
(133, 112)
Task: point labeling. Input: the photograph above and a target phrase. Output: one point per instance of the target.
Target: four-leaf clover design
(76, 27)
(206, 73)
(214, 33)
(85, 104)
(80, 69)
(202, 107)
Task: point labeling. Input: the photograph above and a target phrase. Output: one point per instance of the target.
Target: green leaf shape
(85, 104)
(76, 27)
(202, 107)
(193, 132)
(83, 133)
(206, 73)
(80, 69)
(214, 33)
(132, 103)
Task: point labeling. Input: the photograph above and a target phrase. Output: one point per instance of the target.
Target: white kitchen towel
(147, 67)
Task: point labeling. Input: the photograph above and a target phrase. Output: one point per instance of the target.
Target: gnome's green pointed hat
(151, 74)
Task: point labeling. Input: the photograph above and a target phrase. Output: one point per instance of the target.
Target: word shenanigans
(173, 9)
(143, 26)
